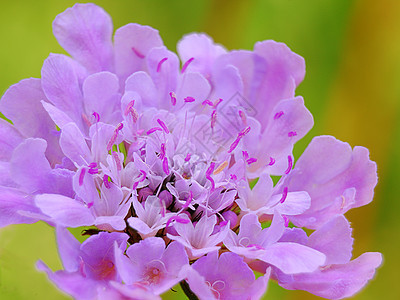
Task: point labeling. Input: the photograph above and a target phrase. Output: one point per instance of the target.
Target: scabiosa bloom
(161, 154)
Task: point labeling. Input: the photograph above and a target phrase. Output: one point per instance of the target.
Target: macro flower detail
(166, 162)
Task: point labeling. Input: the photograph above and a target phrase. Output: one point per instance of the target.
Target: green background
(352, 87)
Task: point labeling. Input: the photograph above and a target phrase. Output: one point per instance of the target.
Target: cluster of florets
(168, 168)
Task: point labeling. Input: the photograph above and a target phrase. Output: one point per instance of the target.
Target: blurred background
(352, 87)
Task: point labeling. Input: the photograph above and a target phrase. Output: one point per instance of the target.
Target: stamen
(106, 182)
(165, 166)
(188, 201)
(162, 153)
(245, 155)
(244, 131)
(290, 165)
(210, 169)
(271, 161)
(128, 107)
(90, 204)
(93, 165)
(243, 117)
(212, 182)
(138, 54)
(284, 194)
(208, 102)
(173, 98)
(162, 124)
(186, 64)
(251, 160)
(114, 136)
(93, 171)
(178, 220)
(292, 133)
(278, 115)
(220, 168)
(189, 99)
(154, 129)
(286, 219)
(81, 176)
(217, 102)
(188, 156)
(96, 117)
(117, 160)
(213, 118)
(160, 63)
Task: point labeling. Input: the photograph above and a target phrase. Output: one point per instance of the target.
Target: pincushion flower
(159, 153)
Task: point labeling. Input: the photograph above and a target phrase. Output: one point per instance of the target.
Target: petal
(64, 211)
(163, 67)
(142, 83)
(72, 283)
(68, 248)
(192, 85)
(146, 251)
(132, 43)
(335, 177)
(13, 201)
(337, 281)
(85, 31)
(22, 104)
(101, 95)
(10, 138)
(292, 258)
(29, 166)
(74, 145)
(283, 132)
(334, 240)
(202, 48)
(61, 78)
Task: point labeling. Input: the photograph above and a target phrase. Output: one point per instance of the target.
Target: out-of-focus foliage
(352, 52)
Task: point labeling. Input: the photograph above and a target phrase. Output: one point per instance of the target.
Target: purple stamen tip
(165, 166)
(160, 63)
(186, 64)
(243, 117)
(173, 98)
(292, 133)
(154, 129)
(271, 161)
(90, 204)
(245, 155)
(210, 169)
(189, 99)
(93, 165)
(251, 160)
(162, 124)
(106, 182)
(128, 107)
(120, 126)
(96, 116)
(81, 176)
(208, 102)
(188, 156)
(93, 171)
(278, 115)
(290, 165)
(138, 54)
(213, 118)
(284, 194)
(286, 219)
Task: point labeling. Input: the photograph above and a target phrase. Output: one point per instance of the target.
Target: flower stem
(188, 292)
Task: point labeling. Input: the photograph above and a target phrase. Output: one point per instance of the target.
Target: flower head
(160, 154)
